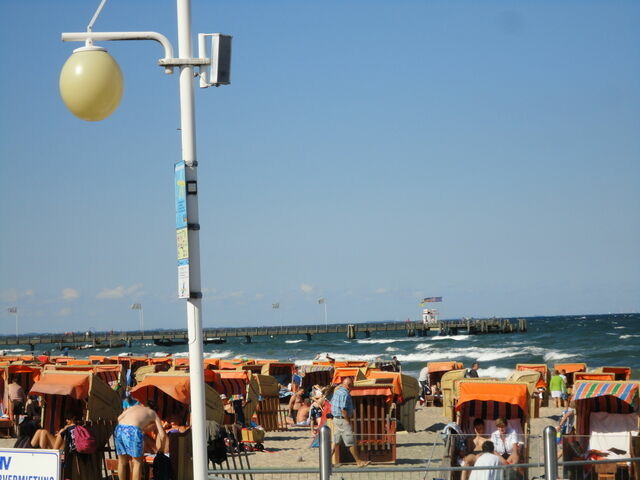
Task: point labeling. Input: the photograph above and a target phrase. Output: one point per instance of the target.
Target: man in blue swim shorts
(129, 438)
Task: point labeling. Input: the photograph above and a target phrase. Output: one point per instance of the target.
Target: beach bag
(84, 440)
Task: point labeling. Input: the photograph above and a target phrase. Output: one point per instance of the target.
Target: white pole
(325, 312)
(194, 322)
(142, 321)
(17, 333)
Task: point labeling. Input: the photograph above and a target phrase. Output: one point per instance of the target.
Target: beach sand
(291, 449)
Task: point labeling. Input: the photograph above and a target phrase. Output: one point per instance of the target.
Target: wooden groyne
(74, 340)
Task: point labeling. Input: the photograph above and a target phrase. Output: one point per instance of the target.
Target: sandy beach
(291, 449)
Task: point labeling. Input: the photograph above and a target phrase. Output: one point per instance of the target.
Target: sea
(597, 340)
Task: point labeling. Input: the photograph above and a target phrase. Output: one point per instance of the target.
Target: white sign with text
(29, 464)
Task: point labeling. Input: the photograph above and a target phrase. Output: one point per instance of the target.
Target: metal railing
(547, 467)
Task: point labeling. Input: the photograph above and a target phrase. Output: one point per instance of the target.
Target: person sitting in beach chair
(506, 441)
(474, 445)
(43, 439)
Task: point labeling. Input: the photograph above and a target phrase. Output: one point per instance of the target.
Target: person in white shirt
(506, 441)
(423, 380)
(488, 459)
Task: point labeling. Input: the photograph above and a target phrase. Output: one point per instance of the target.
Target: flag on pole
(136, 306)
(275, 305)
(12, 309)
(430, 300)
(321, 300)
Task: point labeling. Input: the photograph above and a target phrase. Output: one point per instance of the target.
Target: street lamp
(138, 306)
(90, 64)
(323, 301)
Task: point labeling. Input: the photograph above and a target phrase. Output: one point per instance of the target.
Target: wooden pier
(355, 330)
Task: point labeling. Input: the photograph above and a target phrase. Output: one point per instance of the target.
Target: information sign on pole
(29, 463)
(182, 234)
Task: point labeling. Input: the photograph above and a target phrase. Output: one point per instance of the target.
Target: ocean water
(597, 340)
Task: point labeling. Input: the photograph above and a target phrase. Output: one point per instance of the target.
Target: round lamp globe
(91, 83)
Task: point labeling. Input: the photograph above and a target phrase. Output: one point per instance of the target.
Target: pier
(75, 340)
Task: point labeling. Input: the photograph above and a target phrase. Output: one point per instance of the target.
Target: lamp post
(138, 306)
(323, 301)
(91, 93)
(276, 306)
(14, 311)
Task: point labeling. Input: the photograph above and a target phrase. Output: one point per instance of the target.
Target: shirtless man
(129, 437)
(475, 446)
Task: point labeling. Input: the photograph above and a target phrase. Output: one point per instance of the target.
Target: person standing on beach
(129, 438)
(16, 397)
(555, 387)
(565, 389)
(342, 410)
(423, 380)
(473, 371)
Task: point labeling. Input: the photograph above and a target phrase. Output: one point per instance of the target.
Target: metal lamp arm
(115, 36)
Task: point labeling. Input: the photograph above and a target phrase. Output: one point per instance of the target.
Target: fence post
(325, 453)
(550, 453)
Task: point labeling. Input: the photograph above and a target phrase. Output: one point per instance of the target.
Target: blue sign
(181, 195)
(182, 233)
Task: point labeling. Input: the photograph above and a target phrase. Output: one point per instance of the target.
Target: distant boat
(217, 340)
(167, 342)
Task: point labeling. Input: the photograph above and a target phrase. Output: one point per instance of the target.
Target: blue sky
(369, 152)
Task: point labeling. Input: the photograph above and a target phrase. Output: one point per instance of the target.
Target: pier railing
(113, 339)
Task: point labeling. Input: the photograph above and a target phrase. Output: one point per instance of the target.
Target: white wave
(160, 354)
(474, 353)
(293, 341)
(495, 372)
(616, 328)
(553, 355)
(346, 357)
(125, 354)
(623, 337)
(13, 350)
(424, 346)
(389, 340)
(391, 349)
(377, 340)
(219, 354)
(304, 362)
(452, 337)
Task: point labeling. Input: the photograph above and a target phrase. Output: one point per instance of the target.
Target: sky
(368, 152)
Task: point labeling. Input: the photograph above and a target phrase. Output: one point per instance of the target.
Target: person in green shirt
(556, 386)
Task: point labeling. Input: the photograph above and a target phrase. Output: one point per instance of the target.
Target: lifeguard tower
(430, 316)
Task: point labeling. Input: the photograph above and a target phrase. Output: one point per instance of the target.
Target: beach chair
(373, 424)
(26, 376)
(269, 415)
(619, 373)
(406, 391)
(315, 375)
(488, 400)
(543, 382)
(94, 403)
(607, 418)
(532, 379)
